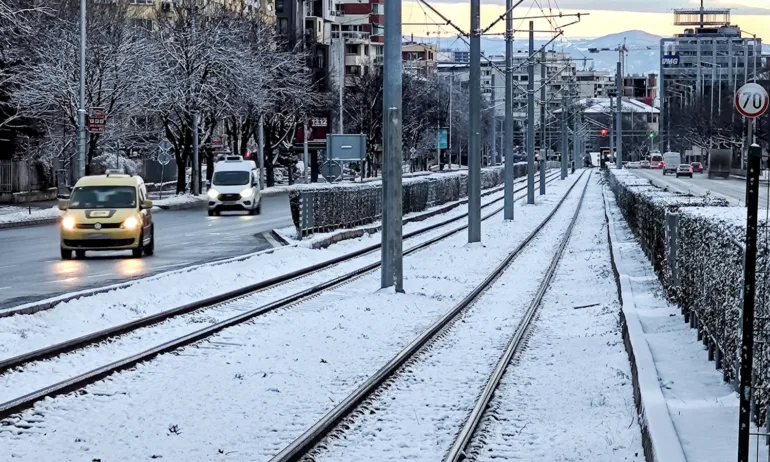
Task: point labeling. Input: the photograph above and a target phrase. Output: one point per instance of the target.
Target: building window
(377, 29)
(378, 8)
(283, 26)
(279, 6)
(352, 49)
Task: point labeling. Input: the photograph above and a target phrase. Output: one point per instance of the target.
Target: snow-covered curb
(22, 217)
(660, 440)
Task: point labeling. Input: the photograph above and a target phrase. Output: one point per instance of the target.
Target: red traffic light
(604, 132)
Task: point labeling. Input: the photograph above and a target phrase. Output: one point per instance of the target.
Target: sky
(604, 16)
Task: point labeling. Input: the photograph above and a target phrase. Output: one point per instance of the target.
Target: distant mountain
(643, 55)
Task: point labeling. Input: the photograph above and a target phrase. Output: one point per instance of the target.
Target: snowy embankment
(22, 215)
(690, 412)
(429, 400)
(288, 367)
(80, 316)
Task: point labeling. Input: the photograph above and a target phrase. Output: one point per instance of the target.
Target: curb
(659, 438)
(28, 223)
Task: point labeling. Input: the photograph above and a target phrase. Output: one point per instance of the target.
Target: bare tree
(118, 74)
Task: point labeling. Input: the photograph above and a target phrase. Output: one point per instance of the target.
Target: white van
(671, 161)
(235, 186)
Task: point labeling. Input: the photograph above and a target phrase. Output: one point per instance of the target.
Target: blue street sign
(443, 137)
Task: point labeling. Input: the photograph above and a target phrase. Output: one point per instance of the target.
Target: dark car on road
(697, 167)
(684, 170)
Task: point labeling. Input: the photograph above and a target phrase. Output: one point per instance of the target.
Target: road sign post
(163, 158)
(751, 101)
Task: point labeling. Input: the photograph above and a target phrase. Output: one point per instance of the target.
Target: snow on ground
(250, 390)
(703, 408)
(22, 333)
(418, 415)
(176, 201)
(569, 395)
(13, 214)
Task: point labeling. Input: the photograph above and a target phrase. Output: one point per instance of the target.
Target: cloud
(740, 7)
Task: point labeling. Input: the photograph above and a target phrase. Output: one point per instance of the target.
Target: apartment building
(419, 58)
(594, 84)
(643, 88)
(560, 77)
(357, 36)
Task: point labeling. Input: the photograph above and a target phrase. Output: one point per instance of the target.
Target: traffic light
(652, 135)
(604, 132)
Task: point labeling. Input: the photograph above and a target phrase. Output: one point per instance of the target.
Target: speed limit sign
(751, 100)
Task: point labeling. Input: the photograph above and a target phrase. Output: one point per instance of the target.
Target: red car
(697, 167)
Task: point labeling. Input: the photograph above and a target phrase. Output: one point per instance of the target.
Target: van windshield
(103, 197)
(233, 178)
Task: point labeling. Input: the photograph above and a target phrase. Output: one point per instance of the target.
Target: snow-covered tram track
(365, 423)
(75, 363)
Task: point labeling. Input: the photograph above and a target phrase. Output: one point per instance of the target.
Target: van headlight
(130, 223)
(68, 222)
(213, 193)
(246, 193)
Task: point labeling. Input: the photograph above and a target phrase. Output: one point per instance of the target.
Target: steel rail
(26, 401)
(303, 444)
(457, 451)
(206, 303)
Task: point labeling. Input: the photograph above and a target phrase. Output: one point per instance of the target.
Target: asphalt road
(31, 268)
(732, 189)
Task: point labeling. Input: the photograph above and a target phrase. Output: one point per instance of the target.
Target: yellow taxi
(107, 212)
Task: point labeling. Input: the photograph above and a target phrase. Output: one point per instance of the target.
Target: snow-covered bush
(346, 205)
(109, 161)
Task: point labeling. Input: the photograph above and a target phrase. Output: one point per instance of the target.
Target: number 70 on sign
(751, 100)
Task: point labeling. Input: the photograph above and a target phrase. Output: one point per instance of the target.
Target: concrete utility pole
(619, 121)
(80, 165)
(508, 128)
(543, 109)
(531, 117)
(392, 250)
(474, 151)
(493, 125)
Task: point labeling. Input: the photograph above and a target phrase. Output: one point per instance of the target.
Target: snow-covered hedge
(345, 205)
(709, 263)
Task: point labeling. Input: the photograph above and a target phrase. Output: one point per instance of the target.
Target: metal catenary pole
(619, 120)
(543, 110)
(391, 269)
(493, 123)
(305, 154)
(508, 128)
(261, 142)
(612, 128)
(749, 289)
(194, 183)
(341, 78)
(564, 147)
(474, 152)
(80, 170)
(531, 118)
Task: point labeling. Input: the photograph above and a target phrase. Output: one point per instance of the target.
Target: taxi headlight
(130, 223)
(213, 193)
(246, 193)
(68, 222)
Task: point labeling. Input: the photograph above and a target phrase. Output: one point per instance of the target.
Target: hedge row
(710, 267)
(347, 205)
